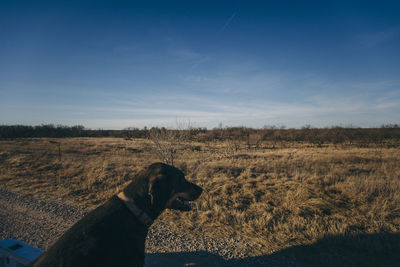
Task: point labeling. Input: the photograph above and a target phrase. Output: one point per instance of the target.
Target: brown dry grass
(292, 195)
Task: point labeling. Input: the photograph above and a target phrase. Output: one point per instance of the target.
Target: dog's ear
(157, 188)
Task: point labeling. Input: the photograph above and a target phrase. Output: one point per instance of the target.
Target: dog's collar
(140, 214)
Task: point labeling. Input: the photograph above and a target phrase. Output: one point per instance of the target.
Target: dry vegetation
(294, 194)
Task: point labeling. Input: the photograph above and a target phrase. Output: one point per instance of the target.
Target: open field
(343, 199)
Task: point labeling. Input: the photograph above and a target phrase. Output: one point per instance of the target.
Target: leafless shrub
(59, 164)
(168, 142)
(254, 140)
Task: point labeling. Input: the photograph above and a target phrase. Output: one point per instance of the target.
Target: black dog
(114, 233)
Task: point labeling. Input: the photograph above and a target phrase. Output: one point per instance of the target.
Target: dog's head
(162, 186)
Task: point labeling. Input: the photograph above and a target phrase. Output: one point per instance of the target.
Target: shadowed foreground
(356, 250)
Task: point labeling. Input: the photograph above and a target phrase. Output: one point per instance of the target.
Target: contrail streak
(228, 21)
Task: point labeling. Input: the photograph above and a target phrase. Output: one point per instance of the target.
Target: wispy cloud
(235, 98)
(186, 54)
(235, 82)
(190, 56)
(209, 111)
(126, 49)
(373, 39)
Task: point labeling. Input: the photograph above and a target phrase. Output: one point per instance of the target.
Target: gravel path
(40, 223)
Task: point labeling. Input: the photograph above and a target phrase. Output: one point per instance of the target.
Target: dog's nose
(199, 190)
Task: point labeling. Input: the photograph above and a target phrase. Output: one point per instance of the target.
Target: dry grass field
(295, 194)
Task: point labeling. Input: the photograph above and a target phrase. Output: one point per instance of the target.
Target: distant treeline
(59, 131)
(336, 135)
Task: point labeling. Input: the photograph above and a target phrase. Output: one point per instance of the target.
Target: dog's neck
(142, 216)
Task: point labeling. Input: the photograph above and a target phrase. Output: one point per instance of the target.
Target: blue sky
(116, 64)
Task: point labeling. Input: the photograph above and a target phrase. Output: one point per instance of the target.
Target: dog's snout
(198, 190)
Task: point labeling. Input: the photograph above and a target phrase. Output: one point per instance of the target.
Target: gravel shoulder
(40, 223)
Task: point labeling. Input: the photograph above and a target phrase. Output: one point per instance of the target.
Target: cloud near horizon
(119, 111)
